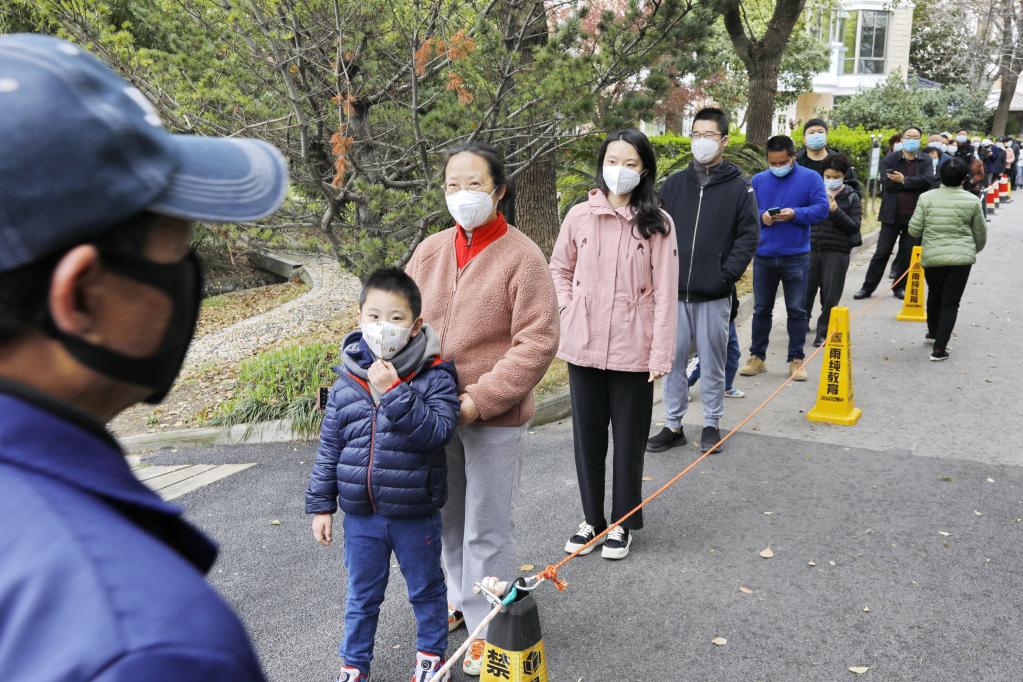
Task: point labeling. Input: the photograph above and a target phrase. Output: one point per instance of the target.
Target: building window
(864, 41)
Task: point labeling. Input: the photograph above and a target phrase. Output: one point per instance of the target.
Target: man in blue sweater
(792, 199)
(100, 579)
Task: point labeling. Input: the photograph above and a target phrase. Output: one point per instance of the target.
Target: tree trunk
(536, 203)
(763, 90)
(1009, 81)
(1008, 71)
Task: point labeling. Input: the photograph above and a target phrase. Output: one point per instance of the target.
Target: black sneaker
(818, 340)
(710, 436)
(929, 338)
(899, 293)
(617, 544)
(583, 535)
(666, 440)
(939, 355)
(892, 274)
(861, 294)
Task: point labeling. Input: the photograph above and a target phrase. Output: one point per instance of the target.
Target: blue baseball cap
(83, 149)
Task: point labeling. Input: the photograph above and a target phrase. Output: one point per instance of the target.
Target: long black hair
(644, 199)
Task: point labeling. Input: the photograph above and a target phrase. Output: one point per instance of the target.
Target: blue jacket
(801, 190)
(389, 458)
(99, 578)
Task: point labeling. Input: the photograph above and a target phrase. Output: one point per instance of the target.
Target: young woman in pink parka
(615, 269)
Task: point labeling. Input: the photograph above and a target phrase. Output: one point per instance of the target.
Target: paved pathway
(897, 543)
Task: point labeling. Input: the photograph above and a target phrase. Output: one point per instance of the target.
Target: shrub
(282, 384)
(854, 142)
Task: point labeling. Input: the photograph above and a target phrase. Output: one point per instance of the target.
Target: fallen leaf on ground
(768, 513)
(946, 479)
(859, 669)
(990, 480)
(275, 522)
(832, 563)
(866, 609)
(943, 533)
(719, 641)
(745, 590)
(648, 478)
(977, 513)
(527, 567)
(811, 563)
(767, 553)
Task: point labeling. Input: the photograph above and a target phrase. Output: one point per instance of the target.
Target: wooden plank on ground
(158, 483)
(210, 475)
(148, 472)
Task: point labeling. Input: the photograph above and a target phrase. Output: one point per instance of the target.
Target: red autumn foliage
(340, 144)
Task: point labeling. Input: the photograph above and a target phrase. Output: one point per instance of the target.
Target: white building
(869, 40)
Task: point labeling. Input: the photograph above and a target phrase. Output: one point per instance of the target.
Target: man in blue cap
(99, 295)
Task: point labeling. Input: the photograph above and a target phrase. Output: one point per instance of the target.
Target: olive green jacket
(950, 223)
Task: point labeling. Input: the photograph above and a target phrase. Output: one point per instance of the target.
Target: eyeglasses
(475, 186)
(705, 136)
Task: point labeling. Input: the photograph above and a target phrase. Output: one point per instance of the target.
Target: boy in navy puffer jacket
(389, 416)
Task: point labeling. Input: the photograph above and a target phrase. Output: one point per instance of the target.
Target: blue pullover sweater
(801, 190)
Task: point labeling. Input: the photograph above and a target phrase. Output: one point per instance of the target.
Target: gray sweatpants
(484, 466)
(706, 325)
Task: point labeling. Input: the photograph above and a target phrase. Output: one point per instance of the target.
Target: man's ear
(68, 301)
(417, 326)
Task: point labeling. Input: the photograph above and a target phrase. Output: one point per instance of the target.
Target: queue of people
(423, 434)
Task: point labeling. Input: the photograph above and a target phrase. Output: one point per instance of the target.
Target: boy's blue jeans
(416, 543)
(731, 359)
(793, 273)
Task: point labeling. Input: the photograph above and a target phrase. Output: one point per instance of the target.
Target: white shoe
(472, 664)
(617, 544)
(583, 535)
(426, 666)
(735, 393)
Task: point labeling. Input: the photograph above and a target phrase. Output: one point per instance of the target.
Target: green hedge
(854, 142)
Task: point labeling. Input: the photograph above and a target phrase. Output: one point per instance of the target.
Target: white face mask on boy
(385, 339)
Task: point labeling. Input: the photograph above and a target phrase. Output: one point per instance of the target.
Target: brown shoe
(753, 367)
(797, 371)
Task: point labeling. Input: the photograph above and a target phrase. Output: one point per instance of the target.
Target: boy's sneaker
(349, 674)
(582, 536)
(694, 362)
(473, 662)
(426, 666)
(733, 392)
(929, 339)
(939, 355)
(456, 619)
(666, 439)
(753, 367)
(710, 437)
(617, 544)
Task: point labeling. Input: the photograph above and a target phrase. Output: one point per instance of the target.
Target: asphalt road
(897, 543)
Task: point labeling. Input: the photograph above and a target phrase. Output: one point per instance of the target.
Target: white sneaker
(349, 674)
(472, 664)
(582, 536)
(617, 544)
(426, 666)
(735, 393)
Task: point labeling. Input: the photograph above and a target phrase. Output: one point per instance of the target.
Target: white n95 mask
(620, 180)
(470, 208)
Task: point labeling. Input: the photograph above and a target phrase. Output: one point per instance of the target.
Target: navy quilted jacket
(389, 458)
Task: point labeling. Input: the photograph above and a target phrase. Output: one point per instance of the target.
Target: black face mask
(182, 283)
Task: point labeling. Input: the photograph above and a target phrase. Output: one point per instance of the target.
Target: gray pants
(706, 325)
(484, 466)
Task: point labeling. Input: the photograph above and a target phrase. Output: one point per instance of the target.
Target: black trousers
(945, 287)
(890, 233)
(827, 273)
(625, 400)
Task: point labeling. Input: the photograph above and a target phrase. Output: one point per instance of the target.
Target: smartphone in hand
(773, 211)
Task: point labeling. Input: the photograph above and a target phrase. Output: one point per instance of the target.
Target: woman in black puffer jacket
(831, 242)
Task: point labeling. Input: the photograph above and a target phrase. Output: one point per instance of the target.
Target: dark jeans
(416, 543)
(890, 233)
(625, 400)
(827, 273)
(731, 360)
(945, 287)
(791, 272)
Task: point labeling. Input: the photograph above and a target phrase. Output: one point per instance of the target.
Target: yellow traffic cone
(835, 404)
(913, 309)
(515, 651)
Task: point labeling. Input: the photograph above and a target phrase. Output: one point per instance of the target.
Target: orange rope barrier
(551, 572)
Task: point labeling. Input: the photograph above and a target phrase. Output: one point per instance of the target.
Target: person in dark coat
(905, 176)
(388, 418)
(964, 147)
(831, 241)
(816, 152)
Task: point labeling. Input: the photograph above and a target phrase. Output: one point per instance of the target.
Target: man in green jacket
(950, 223)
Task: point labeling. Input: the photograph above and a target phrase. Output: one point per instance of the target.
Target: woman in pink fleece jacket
(615, 269)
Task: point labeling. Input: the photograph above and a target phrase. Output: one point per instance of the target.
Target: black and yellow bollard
(515, 650)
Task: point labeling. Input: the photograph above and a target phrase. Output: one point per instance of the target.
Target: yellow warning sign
(501, 665)
(913, 309)
(835, 404)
